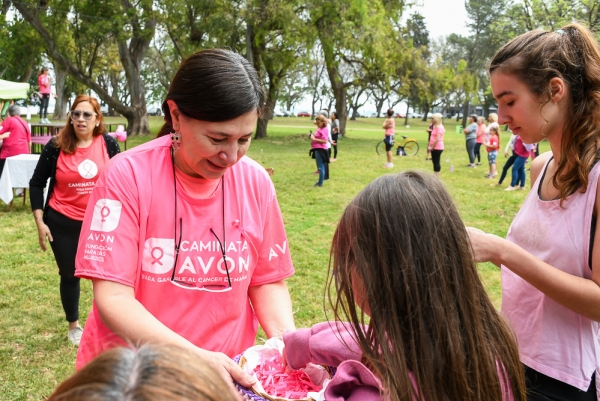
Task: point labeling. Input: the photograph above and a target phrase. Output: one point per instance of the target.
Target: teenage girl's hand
(226, 367)
(43, 232)
(485, 246)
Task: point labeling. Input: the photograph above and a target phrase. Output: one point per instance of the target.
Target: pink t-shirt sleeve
(109, 242)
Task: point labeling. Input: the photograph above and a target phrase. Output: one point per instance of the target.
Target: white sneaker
(388, 165)
(47, 121)
(511, 188)
(75, 335)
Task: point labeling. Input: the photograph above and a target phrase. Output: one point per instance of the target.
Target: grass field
(34, 353)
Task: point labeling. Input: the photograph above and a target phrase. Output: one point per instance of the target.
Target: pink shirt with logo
(76, 175)
(323, 134)
(128, 236)
(553, 339)
(437, 134)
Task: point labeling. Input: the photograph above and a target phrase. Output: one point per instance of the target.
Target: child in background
(434, 333)
(492, 147)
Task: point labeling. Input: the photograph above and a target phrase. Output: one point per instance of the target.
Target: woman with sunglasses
(183, 237)
(72, 161)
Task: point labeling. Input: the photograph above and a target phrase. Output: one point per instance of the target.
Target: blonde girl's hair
(481, 120)
(437, 119)
(320, 119)
(152, 373)
(572, 54)
(493, 117)
(66, 140)
(431, 317)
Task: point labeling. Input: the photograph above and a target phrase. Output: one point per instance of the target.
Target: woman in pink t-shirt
(71, 162)
(479, 138)
(44, 83)
(183, 237)
(389, 125)
(436, 142)
(550, 259)
(319, 147)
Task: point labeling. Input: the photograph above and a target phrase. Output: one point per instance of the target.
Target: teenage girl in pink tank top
(550, 260)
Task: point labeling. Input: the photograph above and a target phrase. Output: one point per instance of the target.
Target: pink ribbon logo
(157, 259)
(104, 213)
(87, 169)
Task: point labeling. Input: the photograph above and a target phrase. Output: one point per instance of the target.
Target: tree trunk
(137, 120)
(465, 112)
(60, 108)
(261, 126)
(354, 111)
(426, 111)
(406, 116)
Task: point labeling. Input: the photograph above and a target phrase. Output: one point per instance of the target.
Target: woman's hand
(486, 247)
(226, 367)
(43, 232)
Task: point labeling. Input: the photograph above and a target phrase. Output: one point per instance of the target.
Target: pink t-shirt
(323, 134)
(390, 130)
(128, 237)
(437, 134)
(480, 135)
(17, 142)
(76, 175)
(522, 149)
(494, 143)
(44, 84)
(553, 339)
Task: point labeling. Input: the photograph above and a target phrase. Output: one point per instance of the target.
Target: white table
(17, 172)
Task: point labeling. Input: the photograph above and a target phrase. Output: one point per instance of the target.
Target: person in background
(511, 160)
(546, 84)
(45, 85)
(471, 139)
(479, 139)
(319, 147)
(325, 114)
(492, 145)
(429, 130)
(389, 126)
(152, 372)
(522, 151)
(493, 122)
(335, 134)
(436, 142)
(15, 136)
(197, 254)
(72, 161)
(418, 288)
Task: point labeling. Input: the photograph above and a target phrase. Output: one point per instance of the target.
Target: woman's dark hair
(572, 54)
(43, 69)
(334, 115)
(390, 112)
(66, 140)
(403, 245)
(214, 85)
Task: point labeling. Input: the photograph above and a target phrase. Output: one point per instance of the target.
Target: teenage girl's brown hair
(402, 240)
(573, 55)
(154, 372)
(66, 140)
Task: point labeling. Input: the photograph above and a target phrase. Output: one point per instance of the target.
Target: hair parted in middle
(214, 85)
(66, 140)
(402, 242)
(150, 373)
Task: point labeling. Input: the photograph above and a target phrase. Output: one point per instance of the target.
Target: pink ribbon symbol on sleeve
(104, 212)
(156, 259)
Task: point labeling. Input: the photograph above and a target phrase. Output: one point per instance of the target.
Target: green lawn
(34, 353)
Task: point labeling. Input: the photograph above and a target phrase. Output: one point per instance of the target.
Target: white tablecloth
(17, 172)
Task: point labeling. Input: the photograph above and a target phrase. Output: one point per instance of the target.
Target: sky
(442, 18)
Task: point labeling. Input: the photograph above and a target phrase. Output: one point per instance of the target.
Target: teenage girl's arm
(579, 294)
(127, 317)
(273, 307)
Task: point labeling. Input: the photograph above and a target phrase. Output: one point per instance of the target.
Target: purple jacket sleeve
(321, 344)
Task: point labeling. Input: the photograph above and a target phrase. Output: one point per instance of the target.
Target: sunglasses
(87, 115)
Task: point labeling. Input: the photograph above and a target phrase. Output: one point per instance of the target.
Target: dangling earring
(175, 140)
(97, 125)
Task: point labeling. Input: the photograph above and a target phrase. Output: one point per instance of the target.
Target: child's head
(402, 253)
(153, 372)
(494, 131)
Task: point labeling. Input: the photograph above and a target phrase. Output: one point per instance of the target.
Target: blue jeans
(508, 165)
(518, 171)
(471, 150)
(321, 167)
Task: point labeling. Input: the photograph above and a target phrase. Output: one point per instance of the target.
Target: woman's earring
(175, 140)
(97, 125)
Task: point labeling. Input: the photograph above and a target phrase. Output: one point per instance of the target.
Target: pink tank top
(553, 339)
